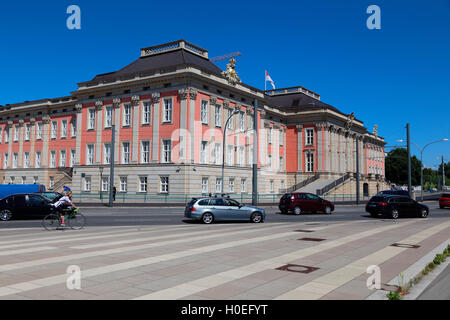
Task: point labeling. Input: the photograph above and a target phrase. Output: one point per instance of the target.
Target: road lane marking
(28, 250)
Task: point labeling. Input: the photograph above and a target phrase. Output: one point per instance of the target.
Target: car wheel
(423, 213)
(297, 211)
(327, 210)
(394, 214)
(5, 215)
(256, 217)
(207, 218)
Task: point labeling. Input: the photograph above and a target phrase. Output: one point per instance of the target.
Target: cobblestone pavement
(219, 261)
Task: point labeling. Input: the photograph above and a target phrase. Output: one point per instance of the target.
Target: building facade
(168, 110)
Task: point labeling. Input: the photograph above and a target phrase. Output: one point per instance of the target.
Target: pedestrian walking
(114, 193)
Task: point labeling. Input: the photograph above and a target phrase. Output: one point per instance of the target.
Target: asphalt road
(144, 216)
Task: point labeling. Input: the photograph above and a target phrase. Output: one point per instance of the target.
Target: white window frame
(52, 162)
(205, 182)
(167, 115)
(1, 134)
(37, 159)
(26, 159)
(242, 121)
(146, 113)
(145, 154)
(64, 128)
(91, 119)
(231, 185)
(217, 153)
(309, 136)
(203, 152)
(243, 185)
(38, 130)
(62, 158)
(7, 135)
(123, 184)
(106, 154)
(241, 155)
(87, 184)
(166, 153)
(143, 183)
(218, 185)
(271, 186)
(218, 116)
(126, 115)
(15, 160)
(73, 154)
(164, 184)
(27, 132)
(108, 116)
(230, 122)
(230, 155)
(125, 156)
(73, 128)
(16, 133)
(52, 182)
(204, 112)
(53, 129)
(90, 155)
(105, 184)
(309, 163)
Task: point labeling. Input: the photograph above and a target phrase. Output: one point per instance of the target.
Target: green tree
(396, 163)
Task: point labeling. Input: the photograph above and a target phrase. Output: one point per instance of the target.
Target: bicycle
(74, 220)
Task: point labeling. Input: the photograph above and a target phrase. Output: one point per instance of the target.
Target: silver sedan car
(210, 209)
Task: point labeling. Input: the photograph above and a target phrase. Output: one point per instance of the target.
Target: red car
(301, 202)
(444, 200)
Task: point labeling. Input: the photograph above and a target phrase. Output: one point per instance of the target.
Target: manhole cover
(405, 245)
(297, 268)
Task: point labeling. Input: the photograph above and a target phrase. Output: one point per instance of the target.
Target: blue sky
(388, 77)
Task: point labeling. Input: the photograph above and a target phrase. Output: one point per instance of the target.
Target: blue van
(9, 189)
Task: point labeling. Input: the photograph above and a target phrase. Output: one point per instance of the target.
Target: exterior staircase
(65, 179)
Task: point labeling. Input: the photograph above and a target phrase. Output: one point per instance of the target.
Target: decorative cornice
(226, 103)
(46, 119)
(239, 106)
(156, 97)
(21, 122)
(183, 93)
(78, 107)
(193, 93)
(32, 120)
(213, 99)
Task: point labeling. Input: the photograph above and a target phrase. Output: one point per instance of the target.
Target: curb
(413, 271)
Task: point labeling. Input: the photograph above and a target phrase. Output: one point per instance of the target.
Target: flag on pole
(268, 78)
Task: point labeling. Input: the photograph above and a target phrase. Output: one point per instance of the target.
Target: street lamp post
(101, 181)
(421, 165)
(223, 146)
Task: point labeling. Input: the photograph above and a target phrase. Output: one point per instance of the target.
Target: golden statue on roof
(230, 73)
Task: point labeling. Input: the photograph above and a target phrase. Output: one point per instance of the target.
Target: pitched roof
(161, 61)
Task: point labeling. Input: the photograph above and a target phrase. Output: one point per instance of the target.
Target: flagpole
(265, 81)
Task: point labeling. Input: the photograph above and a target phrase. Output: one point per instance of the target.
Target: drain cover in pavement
(297, 268)
(405, 245)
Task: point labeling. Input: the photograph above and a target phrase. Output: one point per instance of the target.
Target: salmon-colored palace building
(169, 108)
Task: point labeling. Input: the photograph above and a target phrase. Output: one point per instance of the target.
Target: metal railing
(303, 183)
(333, 184)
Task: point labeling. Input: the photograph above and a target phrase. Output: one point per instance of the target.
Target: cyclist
(63, 203)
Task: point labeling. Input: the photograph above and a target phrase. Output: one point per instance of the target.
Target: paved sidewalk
(220, 261)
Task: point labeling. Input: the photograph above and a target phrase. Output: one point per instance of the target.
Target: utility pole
(255, 155)
(443, 174)
(111, 167)
(408, 146)
(357, 170)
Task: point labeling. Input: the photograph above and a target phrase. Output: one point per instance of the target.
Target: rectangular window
(204, 112)
(230, 122)
(217, 153)
(230, 155)
(123, 184)
(126, 120)
(242, 121)
(26, 159)
(309, 136)
(243, 185)
(250, 156)
(52, 159)
(15, 160)
(271, 186)
(146, 112)
(309, 162)
(7, 135)
(90, 154)
(241, 156)
(53, 129)
(281, 164)
(107, 153)
(91, 119)
(87, 184)
(52, 182)
(108, 116)
(280, 137)
(105, 184)
(203, 147)
(39, 131)
(37, 159)
(218, 185)
(62, 158)
(16, 133)
(218, 116)
(5, 160)
(125, 152)
(269, 135)
(142, 184)
(145, 151)
(1, 134)
(282, 186)
(63, 128)
(231, 185)
(204, 185)
(24, 180)
(164, 188)
(251, 123)
(73, 126)
(27, 131)
(72, 157)
(166, 156)
(167, 112)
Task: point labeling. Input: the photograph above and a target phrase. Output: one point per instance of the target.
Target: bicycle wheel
(76, 221)
(51, 222)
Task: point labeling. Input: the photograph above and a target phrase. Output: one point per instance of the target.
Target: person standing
(114, 193)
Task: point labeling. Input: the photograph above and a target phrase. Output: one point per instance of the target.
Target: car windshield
(50, 195)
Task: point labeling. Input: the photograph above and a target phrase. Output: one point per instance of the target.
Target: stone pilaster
(98, 130)
(183, 93)
(192, 98)
(21, 138)
(32, 141)
(135, 144)
(156, 126)
(79, 108)
(299, 148)
(45, 140)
